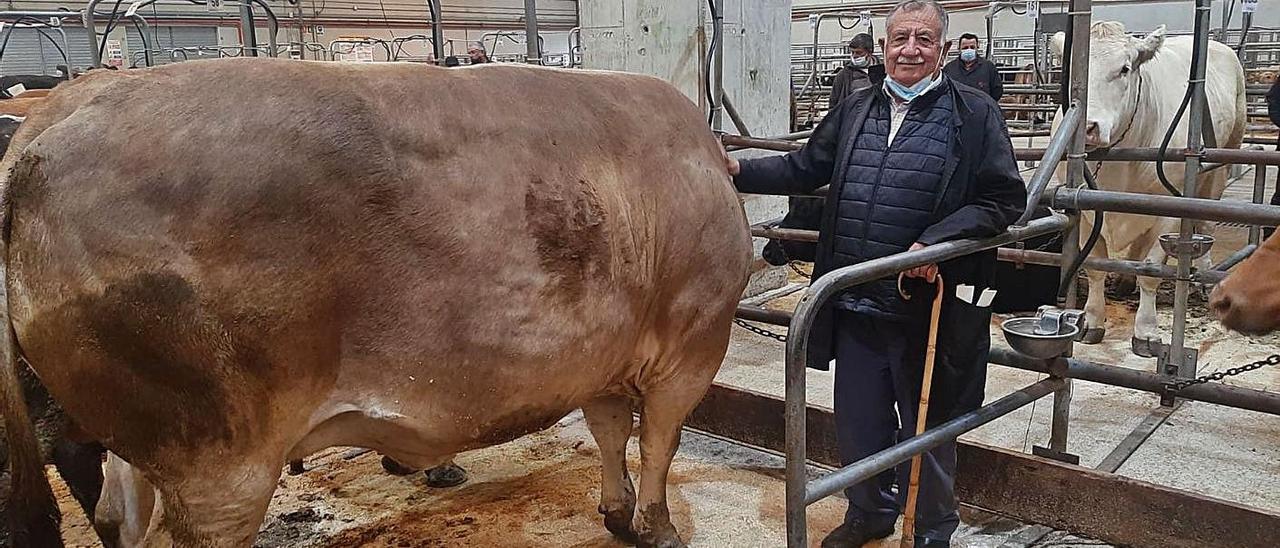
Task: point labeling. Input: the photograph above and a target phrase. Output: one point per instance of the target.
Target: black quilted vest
(891, 194)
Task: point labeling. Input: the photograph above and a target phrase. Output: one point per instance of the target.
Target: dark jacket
(982, 194)
(851, 79)
(1273, 103)
(891, 195)
(982, 75)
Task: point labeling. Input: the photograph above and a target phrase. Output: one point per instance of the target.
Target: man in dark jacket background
(1273, 112)
(915, 162)
(860, 71)
(972, 70)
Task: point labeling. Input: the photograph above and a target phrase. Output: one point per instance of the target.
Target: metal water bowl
(1197, 246)
(1048, 334)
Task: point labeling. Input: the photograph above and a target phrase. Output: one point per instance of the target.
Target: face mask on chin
(861, 61)
(908, 93)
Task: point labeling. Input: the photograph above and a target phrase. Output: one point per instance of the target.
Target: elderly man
(912, 163)
(971, 69)
(477, 53)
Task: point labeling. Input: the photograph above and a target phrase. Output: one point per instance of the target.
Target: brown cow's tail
(34, 519)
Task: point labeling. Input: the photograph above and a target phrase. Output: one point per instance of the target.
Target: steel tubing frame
(868, 467)
(821, 291)
(1124, 377)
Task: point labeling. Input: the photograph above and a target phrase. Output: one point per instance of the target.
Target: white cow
(1135, 87)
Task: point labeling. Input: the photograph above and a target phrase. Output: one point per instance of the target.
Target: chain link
(1174, 387)
(760, 331)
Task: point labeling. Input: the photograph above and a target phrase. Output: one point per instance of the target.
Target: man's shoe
(922, 542)
(853, 534)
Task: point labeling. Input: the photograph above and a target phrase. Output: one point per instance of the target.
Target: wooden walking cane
(913, 490)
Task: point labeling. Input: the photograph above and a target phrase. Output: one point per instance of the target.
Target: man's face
(913, 46)
(476, 54)
(968, 43)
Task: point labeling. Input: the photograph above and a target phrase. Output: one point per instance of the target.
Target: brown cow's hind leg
(663, 413)
(212, 506)
(609, 419)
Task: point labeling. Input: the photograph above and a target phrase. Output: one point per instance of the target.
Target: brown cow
(1248, 301)
(353, 259)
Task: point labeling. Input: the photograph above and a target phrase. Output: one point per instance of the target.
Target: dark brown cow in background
(348, 263)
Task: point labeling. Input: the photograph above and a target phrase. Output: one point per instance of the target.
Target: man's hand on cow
(730, 163)
(927, 272)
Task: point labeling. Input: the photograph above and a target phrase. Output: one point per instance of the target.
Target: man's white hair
(917, 5)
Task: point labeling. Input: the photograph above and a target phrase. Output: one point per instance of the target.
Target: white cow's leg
(124, 511)
(1146, 329)
(609, 419)
(1095, 306)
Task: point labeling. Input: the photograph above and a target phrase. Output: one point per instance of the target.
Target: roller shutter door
(167, 38)
(29, 52)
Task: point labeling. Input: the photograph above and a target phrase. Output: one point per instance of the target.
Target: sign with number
(213, 5)
(1249, 6)
(1033, 8)
(115, 53)
(319, 30)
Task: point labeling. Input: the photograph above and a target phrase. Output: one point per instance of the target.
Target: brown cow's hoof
(618, 522)
(296, 468)
(395, 468)
(446, 475)
(1093, 335)
(668, 542)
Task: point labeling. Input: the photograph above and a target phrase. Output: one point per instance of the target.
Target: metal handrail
(1052, 156)
(824, 289)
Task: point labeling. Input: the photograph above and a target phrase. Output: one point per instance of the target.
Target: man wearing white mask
(862, 70)
(917, 161)
(971, 70)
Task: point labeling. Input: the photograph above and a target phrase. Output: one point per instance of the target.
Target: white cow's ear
(1058, 42)
(1147, 47)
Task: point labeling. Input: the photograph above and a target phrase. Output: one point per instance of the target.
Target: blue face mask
(968, 55)
(907, 93)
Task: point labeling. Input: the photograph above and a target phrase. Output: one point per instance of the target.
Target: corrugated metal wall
(169, 37)
(30, 52)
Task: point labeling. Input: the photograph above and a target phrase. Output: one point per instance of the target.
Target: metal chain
(760, 331)
(795, 266)
(1174, 387)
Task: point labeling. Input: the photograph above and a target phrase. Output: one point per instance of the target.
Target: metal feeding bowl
(1197, 246)
(1046, 335)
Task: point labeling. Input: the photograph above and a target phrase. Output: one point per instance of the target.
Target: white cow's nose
(1093, 134)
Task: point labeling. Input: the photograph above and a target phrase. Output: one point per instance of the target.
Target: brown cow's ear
(1149, 46)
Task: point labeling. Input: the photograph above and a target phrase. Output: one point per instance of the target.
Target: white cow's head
(1114, 60)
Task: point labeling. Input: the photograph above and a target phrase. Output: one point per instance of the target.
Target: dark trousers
(873, 358)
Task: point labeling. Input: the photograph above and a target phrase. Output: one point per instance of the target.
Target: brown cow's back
(265, 258)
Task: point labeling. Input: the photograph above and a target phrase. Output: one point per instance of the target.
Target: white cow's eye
(1124, 71)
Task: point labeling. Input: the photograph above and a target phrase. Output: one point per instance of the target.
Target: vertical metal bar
(1195, 130)
(1259, 192)
(437, 35)
(92, 29)
(1078, 46)
(248, 32)
(533, 52)
(796, 415)
(1060, 426)
(717, 121)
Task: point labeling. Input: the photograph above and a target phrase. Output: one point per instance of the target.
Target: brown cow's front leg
(609, 419)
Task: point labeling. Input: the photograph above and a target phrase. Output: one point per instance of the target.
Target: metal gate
(164, 40)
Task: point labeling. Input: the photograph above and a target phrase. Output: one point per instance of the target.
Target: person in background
(860, 71)
(452, 61)
(477, 53)
(974, 71)
(913, 163)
